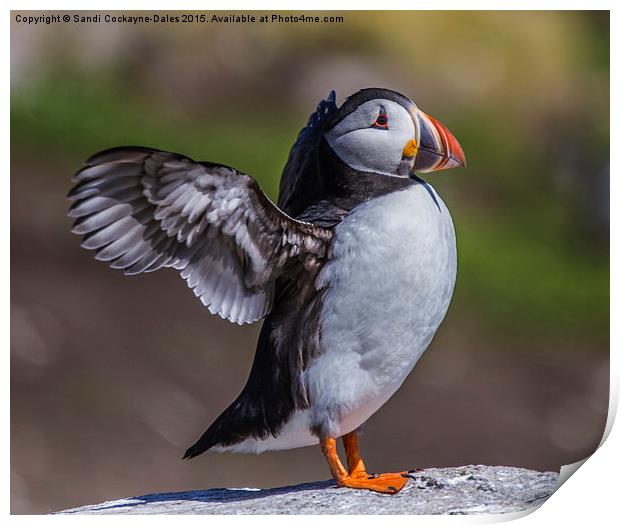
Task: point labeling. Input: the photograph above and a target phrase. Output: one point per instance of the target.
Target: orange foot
(389, 483)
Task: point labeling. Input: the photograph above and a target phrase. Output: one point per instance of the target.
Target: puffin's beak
(437, 149)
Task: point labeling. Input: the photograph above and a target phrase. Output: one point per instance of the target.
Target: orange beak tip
(441, 149)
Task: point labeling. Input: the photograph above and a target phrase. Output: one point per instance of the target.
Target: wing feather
(142, 209)
(300, 178)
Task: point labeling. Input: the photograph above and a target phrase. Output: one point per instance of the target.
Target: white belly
(389, 283)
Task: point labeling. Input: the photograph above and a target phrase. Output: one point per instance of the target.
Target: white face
(362, 142)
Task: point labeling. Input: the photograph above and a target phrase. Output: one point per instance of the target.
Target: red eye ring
(381, 121)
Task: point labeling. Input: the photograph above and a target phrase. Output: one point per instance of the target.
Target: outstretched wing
(300, 179)
(143, 209)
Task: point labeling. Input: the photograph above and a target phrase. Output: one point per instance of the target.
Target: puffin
(351, 272)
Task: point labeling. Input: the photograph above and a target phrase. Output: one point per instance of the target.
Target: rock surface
(472, 489)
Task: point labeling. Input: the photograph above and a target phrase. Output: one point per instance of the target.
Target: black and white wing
(300, 178)
(143, 209)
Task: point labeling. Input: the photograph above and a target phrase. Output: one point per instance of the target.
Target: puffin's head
(381, 131)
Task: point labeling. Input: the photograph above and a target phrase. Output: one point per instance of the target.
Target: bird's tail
(240, 421)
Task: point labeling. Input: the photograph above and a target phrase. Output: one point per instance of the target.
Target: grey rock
(473, 489)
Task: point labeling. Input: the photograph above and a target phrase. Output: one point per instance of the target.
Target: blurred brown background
(113, 377)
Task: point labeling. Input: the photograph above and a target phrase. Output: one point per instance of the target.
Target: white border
(253, 5)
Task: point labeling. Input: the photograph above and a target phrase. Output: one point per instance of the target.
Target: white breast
(388, 286)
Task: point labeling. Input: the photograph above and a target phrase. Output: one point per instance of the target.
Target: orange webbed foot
(388, 483)
(356, 476)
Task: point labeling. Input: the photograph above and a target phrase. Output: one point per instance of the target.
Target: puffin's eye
(381, 121)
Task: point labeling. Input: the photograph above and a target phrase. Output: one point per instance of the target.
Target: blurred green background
(112, 377)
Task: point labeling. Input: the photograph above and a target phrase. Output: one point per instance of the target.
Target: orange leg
(352, 450)
(357, 477)
(328, 446)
